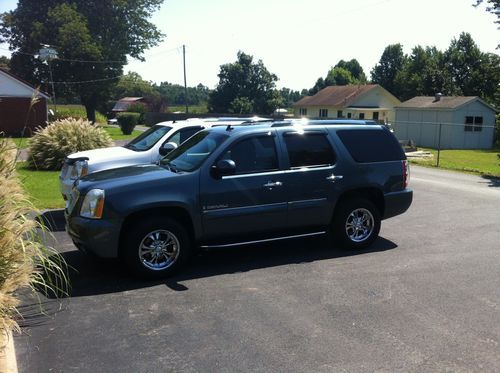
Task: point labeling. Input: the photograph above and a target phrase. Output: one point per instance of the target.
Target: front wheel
(356, 223)
(156, 248)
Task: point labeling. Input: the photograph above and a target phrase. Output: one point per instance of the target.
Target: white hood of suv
(117, 156)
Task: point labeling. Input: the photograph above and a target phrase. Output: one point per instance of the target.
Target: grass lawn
(116, 133)
(42, 187)
(484, 162)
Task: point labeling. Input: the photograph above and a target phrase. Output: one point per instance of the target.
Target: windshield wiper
(130, 146)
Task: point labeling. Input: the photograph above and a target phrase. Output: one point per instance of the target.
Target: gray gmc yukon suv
(238, 185)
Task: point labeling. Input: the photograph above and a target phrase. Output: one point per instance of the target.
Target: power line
(94, 61)
(67, 59)
(88, 81)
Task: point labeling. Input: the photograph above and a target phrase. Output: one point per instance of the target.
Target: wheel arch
(374, 195)
(179, 214)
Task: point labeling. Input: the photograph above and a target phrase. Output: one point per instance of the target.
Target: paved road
(426, 297)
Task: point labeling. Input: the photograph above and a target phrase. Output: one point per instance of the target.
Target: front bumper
(100, 237)
(397, 202)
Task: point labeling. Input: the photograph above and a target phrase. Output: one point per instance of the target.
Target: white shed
(448, 122)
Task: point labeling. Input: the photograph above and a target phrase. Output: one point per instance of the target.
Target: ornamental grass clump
(50, 145)
(25, 262)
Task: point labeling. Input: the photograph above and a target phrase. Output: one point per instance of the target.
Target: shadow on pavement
(493, 181)
(53, 220)
(91, 276)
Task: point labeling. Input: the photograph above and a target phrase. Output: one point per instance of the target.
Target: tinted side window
(256, 154)
(371, 146)
(309, 149)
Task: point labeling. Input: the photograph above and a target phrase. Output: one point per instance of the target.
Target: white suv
(148, 147)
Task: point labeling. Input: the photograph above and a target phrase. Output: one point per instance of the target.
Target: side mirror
(224, 167)
(167, 148)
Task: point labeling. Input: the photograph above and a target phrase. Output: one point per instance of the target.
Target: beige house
(369, 101)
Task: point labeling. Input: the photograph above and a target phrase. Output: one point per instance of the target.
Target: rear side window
(309, 150)
(371, 146)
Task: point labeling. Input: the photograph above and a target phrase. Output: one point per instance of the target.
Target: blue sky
(299, 40)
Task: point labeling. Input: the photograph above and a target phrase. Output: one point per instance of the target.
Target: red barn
(18, 114)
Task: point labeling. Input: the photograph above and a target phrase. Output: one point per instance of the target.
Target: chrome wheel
(359, 225)
(159, 250)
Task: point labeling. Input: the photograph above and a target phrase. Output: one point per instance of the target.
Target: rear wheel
(356, 223)
(156, 248)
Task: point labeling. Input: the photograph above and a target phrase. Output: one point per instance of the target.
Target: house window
(349, 115)
(478, 124)
(302, 111)
(375, 115)
(361, 115)
(340, 114)
(473, 124)
(323, 113)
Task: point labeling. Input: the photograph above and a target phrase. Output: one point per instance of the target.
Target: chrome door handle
(272, 184)
(333, 178)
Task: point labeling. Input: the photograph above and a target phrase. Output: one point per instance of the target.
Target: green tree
(174, 94)
(472, 72)
(343, 73)
(423, 74)
(247, 81)
(92, 39)
(390, 64)
(4, 63)
(290, 97)
(354, 67)
(340, 76)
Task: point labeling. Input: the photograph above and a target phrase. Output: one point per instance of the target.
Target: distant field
(199, 109)
(76, 111)
(484, 162)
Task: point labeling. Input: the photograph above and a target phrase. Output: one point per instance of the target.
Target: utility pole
(185, 84)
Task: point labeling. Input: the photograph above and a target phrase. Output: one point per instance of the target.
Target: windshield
(191, 154)
(147, 139)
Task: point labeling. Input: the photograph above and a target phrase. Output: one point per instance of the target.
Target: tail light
(406, 173)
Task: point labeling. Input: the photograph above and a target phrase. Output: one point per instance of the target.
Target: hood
(124, 177)
(100, 158)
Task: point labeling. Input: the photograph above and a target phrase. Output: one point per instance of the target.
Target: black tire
(356, 223)
(167, 243)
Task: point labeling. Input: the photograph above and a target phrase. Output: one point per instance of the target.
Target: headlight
(80, 168)
(93, 204)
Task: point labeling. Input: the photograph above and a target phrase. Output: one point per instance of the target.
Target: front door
(250, 201)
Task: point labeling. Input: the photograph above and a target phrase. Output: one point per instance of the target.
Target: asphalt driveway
(425, 297)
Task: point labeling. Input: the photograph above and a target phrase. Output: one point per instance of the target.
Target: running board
(262, 241)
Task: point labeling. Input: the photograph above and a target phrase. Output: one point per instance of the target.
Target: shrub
(140, 108)
(24, 260)
(128, 121)
(50, 145)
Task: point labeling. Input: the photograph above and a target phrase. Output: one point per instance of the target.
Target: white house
(448, 122)
(18, 113)
(370, 101)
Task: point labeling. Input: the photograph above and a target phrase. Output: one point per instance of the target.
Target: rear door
(250, 201)
(313, 179)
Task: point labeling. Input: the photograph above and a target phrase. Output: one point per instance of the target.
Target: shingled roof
(444, 102)
(337, 95)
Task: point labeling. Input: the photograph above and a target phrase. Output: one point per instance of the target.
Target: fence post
(439, 145)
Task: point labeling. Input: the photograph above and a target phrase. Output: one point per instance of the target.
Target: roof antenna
(229, 128)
